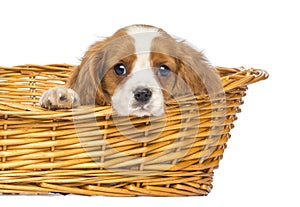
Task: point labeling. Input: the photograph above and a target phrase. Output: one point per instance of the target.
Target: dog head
(138, 68)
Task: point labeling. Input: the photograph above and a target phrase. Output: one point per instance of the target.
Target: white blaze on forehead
(143, 37)
(133, 29)
(142, 73)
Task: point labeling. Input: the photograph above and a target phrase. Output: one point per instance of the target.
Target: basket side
(83, 152)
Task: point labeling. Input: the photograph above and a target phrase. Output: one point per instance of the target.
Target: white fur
(123, 99)
(134, 29)
(141, 76)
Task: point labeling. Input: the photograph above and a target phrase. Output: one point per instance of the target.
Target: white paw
(59, 98)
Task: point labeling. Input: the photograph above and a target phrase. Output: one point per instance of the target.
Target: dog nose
(142, 94)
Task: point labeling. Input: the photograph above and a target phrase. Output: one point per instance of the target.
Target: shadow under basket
(91, 151)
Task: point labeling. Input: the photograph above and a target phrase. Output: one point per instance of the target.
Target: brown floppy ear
(196, 72)
(85, 79)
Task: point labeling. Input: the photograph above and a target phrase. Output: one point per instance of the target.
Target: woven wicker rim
(237, 77)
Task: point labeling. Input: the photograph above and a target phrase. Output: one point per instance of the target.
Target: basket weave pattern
(82, 151)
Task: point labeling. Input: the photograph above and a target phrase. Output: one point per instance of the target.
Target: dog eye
(163, 70)
(120, 69)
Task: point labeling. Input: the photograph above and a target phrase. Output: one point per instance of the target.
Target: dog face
(138, 68)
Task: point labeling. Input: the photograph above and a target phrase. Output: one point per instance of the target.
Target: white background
(261, 164)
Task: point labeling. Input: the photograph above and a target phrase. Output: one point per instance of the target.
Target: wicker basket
(89, 151)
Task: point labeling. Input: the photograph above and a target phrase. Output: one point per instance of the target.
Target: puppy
(135, 70)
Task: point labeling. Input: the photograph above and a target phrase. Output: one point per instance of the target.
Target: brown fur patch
(94, 80)
(191, 73)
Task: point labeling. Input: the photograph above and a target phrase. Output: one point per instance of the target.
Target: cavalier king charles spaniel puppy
(135, 71)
